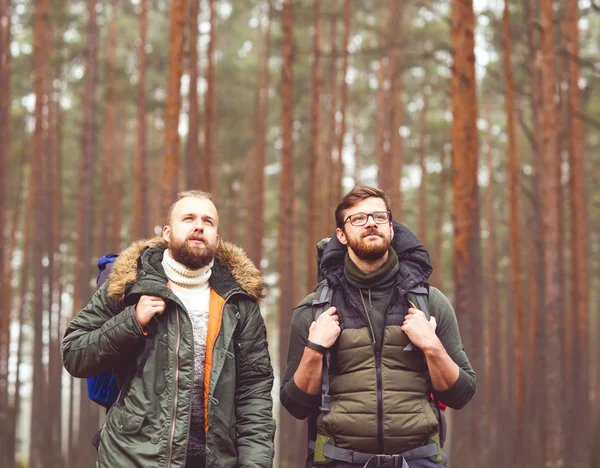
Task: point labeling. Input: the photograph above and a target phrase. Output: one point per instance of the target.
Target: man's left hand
(420, 331)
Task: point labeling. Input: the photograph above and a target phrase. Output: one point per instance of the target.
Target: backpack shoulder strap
(419, 299)
(322, 302)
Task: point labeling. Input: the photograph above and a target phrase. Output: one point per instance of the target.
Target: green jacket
(150, 428)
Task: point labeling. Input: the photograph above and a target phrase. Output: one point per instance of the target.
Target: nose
(199, 225)
(370, 220)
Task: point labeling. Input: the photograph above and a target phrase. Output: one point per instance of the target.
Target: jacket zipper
(172, 436)
(379, 381)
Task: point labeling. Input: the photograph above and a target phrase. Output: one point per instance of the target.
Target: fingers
(413, 311)
(330, 311)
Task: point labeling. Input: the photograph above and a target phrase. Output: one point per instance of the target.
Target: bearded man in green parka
(179, 325)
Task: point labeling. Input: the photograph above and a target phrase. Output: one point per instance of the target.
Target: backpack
(417, 297)
(102, 389)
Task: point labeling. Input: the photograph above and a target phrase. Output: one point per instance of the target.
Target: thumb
(312, 325)
(433, 322)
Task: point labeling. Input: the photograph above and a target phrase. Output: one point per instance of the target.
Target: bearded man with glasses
(375, 352)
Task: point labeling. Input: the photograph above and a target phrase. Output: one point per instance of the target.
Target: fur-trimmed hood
(232, 265)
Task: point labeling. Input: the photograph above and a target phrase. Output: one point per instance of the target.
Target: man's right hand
(325, 330)
(147, 306)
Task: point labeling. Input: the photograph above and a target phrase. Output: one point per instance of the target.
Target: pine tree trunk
(109, 160)
(170, 175)
(328, 166)
(192, 158)
(209, 105)
(38, 178)
(6, 452)
(256, 209)
(337, 179)
(580, 283)
(288, 449)
(514, 226)
(438, 261)
(315, 184)
(422, 217)
(554, 441)
(382, 103)
(139, 225)
(467, 450)
(83, 450)
(394, 160)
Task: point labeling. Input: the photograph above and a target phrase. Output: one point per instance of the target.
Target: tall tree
(288, 446)
(109, 157)
(553, 283)
(579, 272)
(395, 154)
(170, 175)
(328, 167)
(192, 157)
(467, 450)
(5, 38)
(382, 103)
(339, 162)
(210, 103)
(422, 224)
(87, 413)
(139, 216)
(256, 197)
(315, 195)
(515, 256)
(38, 179)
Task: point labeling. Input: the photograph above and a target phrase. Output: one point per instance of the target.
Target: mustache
(372, 231)
(197, 237)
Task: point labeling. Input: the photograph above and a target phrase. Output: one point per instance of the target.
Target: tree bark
(394, 160)
(314, 167)
(83, 450)
(256, 208)
(467, 451)
(209, 104)
(37, 184)
(579, 271)
(514, 227)
(422, 218)
(554, 442)
(338, 174)
(109, 160)
(288, 447)
(139, 227)
(192, 159)
(170, 175)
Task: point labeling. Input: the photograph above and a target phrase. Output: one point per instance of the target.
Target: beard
(367, 250)
(189, 255)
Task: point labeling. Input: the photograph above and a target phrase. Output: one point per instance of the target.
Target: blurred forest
(480, 119)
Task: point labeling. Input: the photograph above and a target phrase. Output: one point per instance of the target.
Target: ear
(166, 232)
(341, 235)
(218, 240)
(392, 230)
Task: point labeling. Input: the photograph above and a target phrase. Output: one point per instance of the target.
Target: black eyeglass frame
(372, 215)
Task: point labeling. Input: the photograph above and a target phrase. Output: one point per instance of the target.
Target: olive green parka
(149, 426)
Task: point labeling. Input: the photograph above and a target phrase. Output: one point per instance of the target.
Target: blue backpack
(103, 389)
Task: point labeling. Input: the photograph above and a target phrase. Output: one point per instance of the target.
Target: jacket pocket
(255, 355)
(125, 422)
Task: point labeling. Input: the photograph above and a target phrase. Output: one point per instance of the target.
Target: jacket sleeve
(255, 425)
(98, 336)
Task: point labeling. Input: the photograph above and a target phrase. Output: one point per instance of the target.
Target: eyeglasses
(360, 219)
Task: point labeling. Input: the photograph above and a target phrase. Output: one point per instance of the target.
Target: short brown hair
(188, 193)
(357, 194)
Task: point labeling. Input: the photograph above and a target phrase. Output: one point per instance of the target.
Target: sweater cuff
(459, 394)
(301, 397)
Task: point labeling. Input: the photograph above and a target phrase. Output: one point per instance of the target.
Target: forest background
(481, 120)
